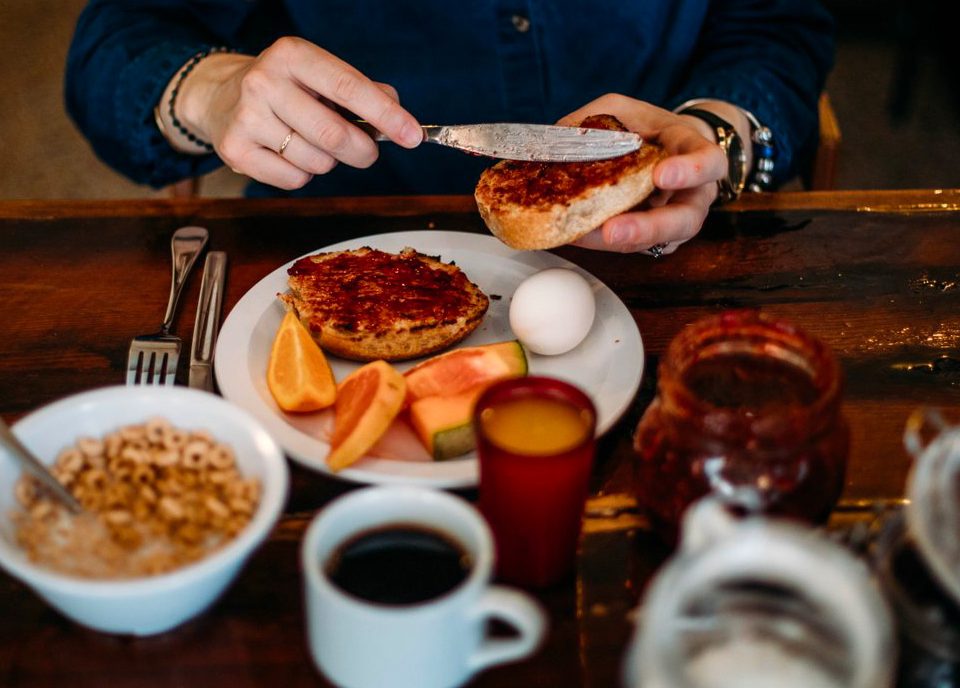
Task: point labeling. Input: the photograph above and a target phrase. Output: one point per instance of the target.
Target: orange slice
(298, 374)
(368, 400)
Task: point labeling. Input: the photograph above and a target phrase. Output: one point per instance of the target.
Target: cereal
(158, 498)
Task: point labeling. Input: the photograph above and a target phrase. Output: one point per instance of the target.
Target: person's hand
(686, 182)
(247, 107)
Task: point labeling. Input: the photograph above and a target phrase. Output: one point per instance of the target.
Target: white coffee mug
(440, 642)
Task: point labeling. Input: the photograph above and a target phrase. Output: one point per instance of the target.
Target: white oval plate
(607, 365)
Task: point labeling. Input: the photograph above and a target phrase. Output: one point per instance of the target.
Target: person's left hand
(686, 182)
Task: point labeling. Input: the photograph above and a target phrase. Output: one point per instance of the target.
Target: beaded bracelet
(764, 148)
(187, 68)
(763, 151)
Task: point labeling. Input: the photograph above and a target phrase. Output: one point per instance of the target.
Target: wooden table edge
(895, 201)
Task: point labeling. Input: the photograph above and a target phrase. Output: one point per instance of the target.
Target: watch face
(729, 141)
(736, 159)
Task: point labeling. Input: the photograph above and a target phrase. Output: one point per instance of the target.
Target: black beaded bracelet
(187, 68)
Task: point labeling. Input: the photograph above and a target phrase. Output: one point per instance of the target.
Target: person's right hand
(247, 106)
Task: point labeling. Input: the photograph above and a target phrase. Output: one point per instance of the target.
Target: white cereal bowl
(147, 605)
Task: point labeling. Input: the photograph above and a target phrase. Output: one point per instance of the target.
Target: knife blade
(533, 142)
(207, 324)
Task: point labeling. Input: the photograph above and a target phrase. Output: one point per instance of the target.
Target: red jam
(749, 408)
(542, 184)
(367, 289)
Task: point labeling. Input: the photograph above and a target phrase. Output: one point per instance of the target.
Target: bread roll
(538, 205)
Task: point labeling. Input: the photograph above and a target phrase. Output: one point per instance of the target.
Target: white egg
(552, 311)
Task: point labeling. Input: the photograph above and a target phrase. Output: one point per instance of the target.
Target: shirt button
(520, 23)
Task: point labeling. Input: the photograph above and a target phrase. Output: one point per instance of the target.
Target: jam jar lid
(933, 490)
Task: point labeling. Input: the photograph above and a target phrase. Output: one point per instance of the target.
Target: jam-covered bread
(367, 304)
(539, 205)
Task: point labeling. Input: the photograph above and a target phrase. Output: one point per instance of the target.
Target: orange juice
(536, 425)
(535, 446)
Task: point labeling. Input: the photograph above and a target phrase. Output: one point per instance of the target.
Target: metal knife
(207, 325)
(536, 142)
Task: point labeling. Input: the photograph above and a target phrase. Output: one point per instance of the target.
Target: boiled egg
(552, 311)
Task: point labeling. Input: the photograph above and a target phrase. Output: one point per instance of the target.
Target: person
(166, 90)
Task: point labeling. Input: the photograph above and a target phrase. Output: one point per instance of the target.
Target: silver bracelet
(764, 148)
(761, 179)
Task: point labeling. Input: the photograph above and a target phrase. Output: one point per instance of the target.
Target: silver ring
(657, 250)
(285, 143)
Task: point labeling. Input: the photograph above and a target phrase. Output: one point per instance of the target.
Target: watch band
(731, 186)
(764, 145)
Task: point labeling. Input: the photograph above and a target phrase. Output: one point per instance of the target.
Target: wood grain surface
(876, 275)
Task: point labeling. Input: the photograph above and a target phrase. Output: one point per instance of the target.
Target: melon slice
(445, 424)
(367, 402)
(459, 370)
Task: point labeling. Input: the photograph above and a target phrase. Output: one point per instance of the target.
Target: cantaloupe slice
(459, 370)
(298, 374)
(445, 424)
(368, 400)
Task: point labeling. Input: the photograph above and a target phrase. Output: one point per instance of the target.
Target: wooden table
(874, 274)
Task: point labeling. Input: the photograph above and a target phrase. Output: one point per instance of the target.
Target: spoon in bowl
(36, 467)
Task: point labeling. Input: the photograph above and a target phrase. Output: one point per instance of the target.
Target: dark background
(895, 90)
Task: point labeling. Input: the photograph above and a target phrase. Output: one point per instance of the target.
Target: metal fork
(153, 358)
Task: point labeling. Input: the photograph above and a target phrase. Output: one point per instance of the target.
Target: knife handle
(208, 311)
(370, 130)
(430, 131)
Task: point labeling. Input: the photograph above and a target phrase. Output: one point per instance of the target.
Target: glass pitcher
(757, 601)
(917, 556)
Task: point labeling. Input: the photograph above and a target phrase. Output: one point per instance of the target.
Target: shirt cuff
(140, 85)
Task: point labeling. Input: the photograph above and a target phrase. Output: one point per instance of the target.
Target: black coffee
(399, 564)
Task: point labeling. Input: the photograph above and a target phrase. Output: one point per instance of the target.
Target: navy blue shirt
(457, 62)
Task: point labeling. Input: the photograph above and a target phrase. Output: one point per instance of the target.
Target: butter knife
(207, 325)
(535, 142)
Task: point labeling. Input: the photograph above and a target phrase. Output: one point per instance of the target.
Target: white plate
(607, 365)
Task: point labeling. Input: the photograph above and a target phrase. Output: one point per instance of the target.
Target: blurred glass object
(757, 601)
(917, 557)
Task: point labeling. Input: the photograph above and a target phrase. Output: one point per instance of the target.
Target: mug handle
(519, 611)
(920, 422)
(706, 521)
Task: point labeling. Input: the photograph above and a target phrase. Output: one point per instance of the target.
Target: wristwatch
(731, 144)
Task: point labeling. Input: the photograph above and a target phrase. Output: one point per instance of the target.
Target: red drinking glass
(535, 442)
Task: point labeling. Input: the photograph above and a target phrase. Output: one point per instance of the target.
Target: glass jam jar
(748, 408)
(759, 602)
(917, 557)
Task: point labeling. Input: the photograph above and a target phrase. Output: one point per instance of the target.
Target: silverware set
(153, 359)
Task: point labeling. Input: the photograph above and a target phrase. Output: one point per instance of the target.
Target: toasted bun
(535, 205)
(367, 304)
